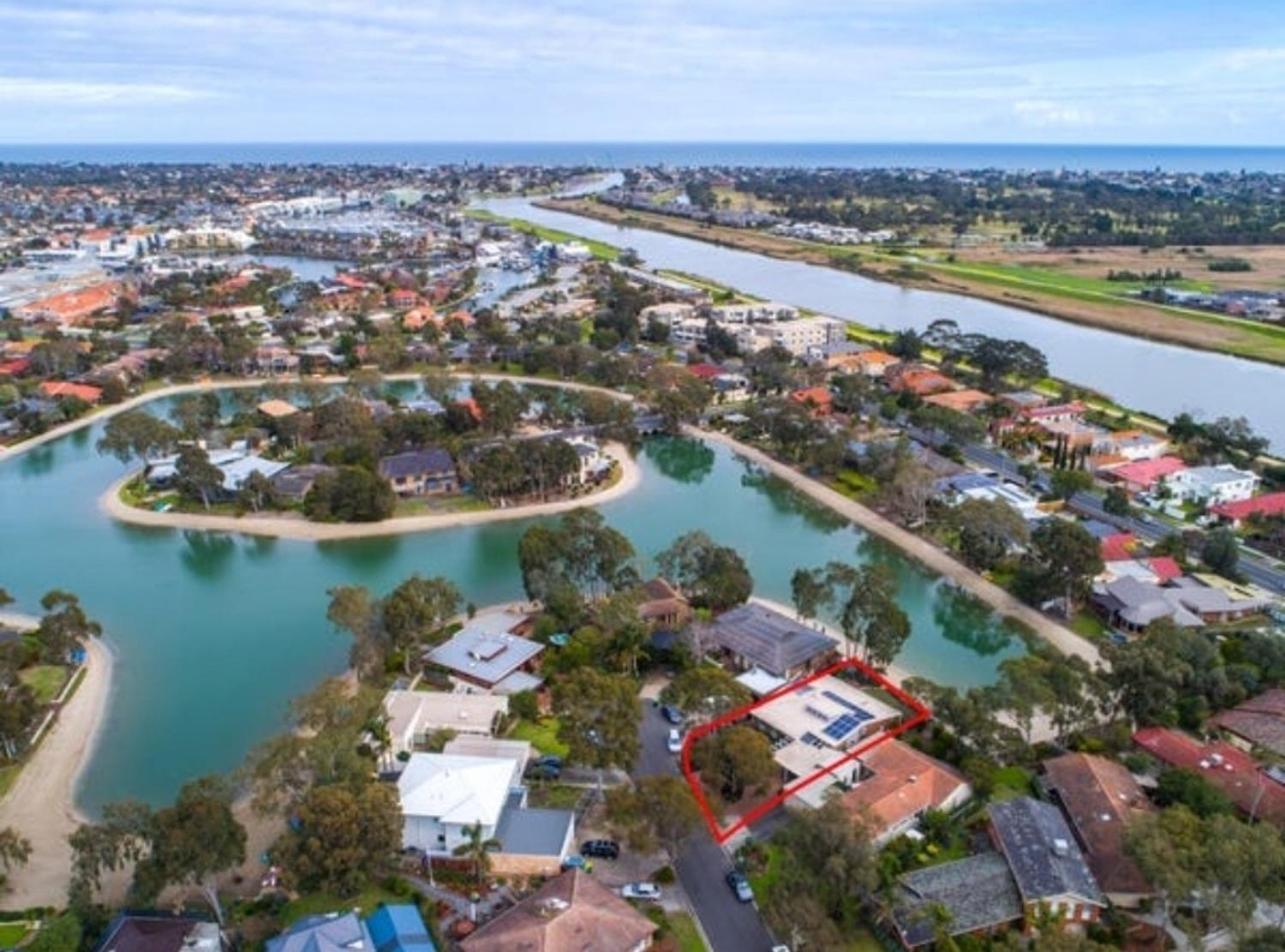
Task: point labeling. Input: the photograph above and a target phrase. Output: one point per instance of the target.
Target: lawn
(11, 933)
(7, 777)
(1011, 782)
(542, 735)
(315, 904)
(45, 680)
(553, 796)
(685, 933)
(1089, 626)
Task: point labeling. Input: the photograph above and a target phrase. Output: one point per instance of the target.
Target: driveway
(701, 864)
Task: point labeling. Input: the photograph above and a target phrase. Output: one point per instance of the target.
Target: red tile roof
(61, 388)
(1118, 547)
(1228, 768)
(1165, 567)
(906, 782)
(15, 367)
(1146, 472)
(705, 371)
(1268, 504)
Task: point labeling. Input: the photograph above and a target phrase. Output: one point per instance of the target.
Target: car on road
(740, 886)
(671, 714)
(675, 741)
(600, 849)
(646, 892)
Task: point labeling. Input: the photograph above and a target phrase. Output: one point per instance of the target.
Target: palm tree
(478, 849)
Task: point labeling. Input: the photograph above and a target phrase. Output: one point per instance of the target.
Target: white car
(675, 742)
(647, 892)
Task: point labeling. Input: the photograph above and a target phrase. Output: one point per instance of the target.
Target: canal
(1157, 378)
(215, 633)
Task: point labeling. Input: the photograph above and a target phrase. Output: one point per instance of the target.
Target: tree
(1116, 502)
(258, 493)
(350, 494)
(987, 529)
(706, 688)
(195, 476)
(581, 551)
(1186, 787)
(734, 761)
(906, 344)
(657, 811)
(478, 849)
(677, 395)
(191, 842)
(135, 434)
(15, 850)
(1065, 483)
(196, 414)
(598, 718)
(502, 406)
(416, 608)
(712, 576)
(1063, 558)
(64, 626)
(1220, 550)
(865, 601)
(352, 609)
(807, 592)
(347, 836)
(60, 933)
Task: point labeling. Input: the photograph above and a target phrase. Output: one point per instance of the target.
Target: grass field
(45, 680)
(11, 933)
(314, 904)
(543, 736)
(600, 249)
(685, 934)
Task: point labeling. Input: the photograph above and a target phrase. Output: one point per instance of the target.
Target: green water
(214, 634)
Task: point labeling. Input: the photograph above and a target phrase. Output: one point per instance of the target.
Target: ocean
(628, 154)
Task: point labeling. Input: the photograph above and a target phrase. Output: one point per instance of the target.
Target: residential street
(731, 926)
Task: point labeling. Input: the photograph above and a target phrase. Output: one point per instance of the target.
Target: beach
(296, 527)
(41, 804)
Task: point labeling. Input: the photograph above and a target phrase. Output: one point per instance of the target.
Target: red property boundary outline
(920, 714)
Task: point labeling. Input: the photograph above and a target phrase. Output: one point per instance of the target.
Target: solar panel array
(843, 725)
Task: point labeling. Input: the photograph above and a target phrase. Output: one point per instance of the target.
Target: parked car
(675, 742)
(671, 714)
(740, 886)
(600, 849)
(548, 760)
(574, 862)
(541, 771)
(647, 892)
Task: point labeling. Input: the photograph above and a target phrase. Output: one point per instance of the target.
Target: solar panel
(843, 702)
(843, 725)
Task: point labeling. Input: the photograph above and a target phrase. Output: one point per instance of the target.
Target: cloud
(1046, 113)
(62, 92)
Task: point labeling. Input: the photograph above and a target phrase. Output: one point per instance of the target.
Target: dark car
(539, 771)
(548, 760)
(671, 714)
(740, 886)
(600, 849)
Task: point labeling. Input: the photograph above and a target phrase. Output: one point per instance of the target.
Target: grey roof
(978, 892)
(1041, 851)
(323, 934)
(432, 461)
(484, 654)
(533, 831)
(774, 642)
(297, 480)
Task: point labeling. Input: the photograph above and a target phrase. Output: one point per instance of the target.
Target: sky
(990, 71)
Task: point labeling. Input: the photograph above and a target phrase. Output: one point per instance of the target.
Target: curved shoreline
(913, 546)
(286, 527)
(41, 805)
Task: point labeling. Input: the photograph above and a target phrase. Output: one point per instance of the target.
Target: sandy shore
(296, 527)
(41, 804)
(943, 563)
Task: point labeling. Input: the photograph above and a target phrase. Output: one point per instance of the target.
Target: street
(731, 926)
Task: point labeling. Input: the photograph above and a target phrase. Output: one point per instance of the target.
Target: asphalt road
(701, 864)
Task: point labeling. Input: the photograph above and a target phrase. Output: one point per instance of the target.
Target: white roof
(759, 681)
(457, 789)
(419, 712)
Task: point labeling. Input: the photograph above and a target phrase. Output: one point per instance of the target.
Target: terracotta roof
(1268, 504)
(1146, 472)
(919, 380)
(1118, 546)
(962, 401)
(1100, 797)
(571, 912)
(1225, 766)
(61, 388)
(906, 782)
(1165, 567)
(705, 371)
(1260, 720)
(72, 306)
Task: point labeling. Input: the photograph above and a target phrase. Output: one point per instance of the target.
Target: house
(812, 725)
(1050, 871)
(593, 464)
(1256, 725)
(295, 482)
(1264, 507)
(414, 716)
(897, 784)
(75, 306)
(753, 635)
(817, 400)
(277, 409)
(1100, 799)
(443, 796)
(970, 485)
(399, 928)
(160, 933)
(1255, 792)
(978, 893)
(663, 605)
(918, 380)
(332, 932)
(62, 390)
(1131, 604)
(1213, 484)
(571, 911)
(424, 472)
(961, 401)
(485, 655)
(876, 363)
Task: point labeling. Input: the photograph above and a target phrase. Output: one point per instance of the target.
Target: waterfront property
(413, 717)
(756, 636)
(427, 472)
(486, 655)
(894, 785)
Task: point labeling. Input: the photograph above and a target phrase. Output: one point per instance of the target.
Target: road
(701, 864)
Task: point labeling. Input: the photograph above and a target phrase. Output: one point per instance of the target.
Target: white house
(1213, 484)
(414, 716)
(444, 794)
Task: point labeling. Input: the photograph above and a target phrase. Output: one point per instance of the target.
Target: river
(1162, 379)
(214, 633)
